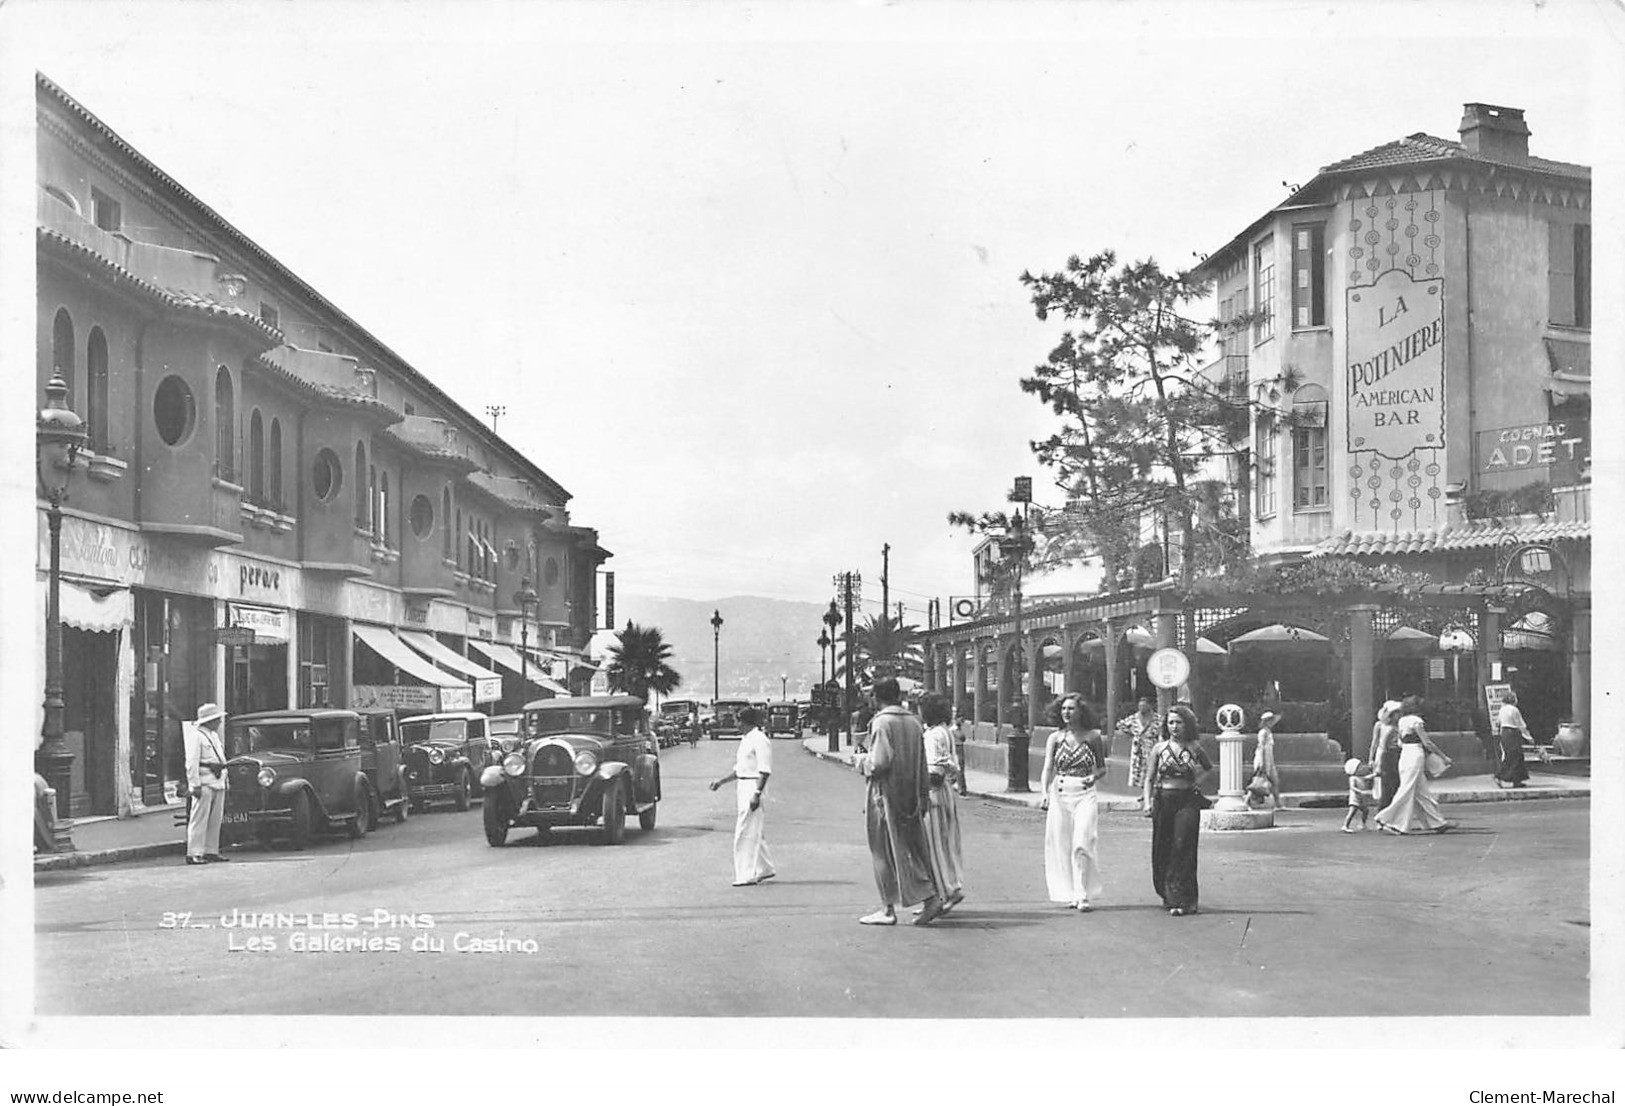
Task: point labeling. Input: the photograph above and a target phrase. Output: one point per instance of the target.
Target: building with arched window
(267, 487)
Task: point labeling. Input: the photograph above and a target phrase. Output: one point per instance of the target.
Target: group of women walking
(1174, 767)
(1401, 750)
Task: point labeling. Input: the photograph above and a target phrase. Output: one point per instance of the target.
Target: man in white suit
(206, 777)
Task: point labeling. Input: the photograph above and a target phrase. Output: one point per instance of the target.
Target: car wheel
(496, 823)
(403, 808)
(361, 799)
(464, 788)
(646, 818)
(614, 815)
(300, 826)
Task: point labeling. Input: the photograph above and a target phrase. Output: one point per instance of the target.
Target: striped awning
(394, 650)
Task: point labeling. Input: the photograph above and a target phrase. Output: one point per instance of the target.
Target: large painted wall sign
(1394, 399)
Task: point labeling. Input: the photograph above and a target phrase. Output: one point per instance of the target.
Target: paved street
(1300, 920)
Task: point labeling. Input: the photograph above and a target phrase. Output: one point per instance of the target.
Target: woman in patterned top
(1174, 803)
(1074, 758)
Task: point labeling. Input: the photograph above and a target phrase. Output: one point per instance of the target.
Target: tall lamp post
(1016, 762)
(784, 688)
(832, 620)
(59, 435)
(716, 655)
(526, 598)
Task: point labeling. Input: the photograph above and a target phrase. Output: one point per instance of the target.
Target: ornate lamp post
(832, 620)
(526, 598)
(1020, 540)
(716, 655)
(59, 435)
(784, 687)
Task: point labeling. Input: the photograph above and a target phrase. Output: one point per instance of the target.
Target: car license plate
(238, 816)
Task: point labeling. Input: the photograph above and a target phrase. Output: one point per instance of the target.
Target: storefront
(390, 675)
(487, 684)
(95, 629)
(256, 658)
(522, 681)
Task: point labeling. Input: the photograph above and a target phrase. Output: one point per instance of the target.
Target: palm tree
(882, 646)
(637, 662)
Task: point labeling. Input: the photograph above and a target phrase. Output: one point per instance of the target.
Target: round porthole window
(422, 516)
(326, 476)
(550, 572)
(174, 410)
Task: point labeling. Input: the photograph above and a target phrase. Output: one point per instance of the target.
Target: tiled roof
(1477, 534)
(1421, 148)
(434, 452)
(341, 396)
(178, 300)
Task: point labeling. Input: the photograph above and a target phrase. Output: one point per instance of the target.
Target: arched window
(372, 500)
(62, 356)
(275, 482)
(225, 417)
(458, 539)
(361, 490)
(445, 517)
(256, 458)
(96, 390)
(383, 507)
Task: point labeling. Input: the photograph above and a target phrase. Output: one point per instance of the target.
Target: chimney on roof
(1492, 130)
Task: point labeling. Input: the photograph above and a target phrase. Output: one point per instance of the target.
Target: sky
(744, 277)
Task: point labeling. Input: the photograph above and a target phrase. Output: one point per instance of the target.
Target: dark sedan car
(585, 761)
(295, 772)
(444, 756)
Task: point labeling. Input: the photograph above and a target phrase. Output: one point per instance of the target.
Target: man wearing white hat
(206, 777)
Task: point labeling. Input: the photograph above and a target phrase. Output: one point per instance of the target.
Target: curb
(51, 862)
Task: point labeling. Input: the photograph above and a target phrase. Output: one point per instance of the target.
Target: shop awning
(487, 684)
(543, 663)
(509, 659)
(392, 649)
(83, 609)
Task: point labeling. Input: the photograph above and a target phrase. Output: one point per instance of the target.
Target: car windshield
(569, 721)
(440, 729)
(257, 737)
(679, 706)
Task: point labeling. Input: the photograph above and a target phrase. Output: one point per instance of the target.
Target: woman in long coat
(899, 791)
(1174, 803)
(1074, 760)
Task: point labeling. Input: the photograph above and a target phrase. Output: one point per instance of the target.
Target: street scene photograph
(829, 525)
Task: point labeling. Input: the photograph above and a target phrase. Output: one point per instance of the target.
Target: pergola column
(1167, 632)
(1006, 670)
(1362, 673)
(1580, 666)
(1114, 707)
(1069, 660)
(959, 676)
(1035, 680)
(979, 688)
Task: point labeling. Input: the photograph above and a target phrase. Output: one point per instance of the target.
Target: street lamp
(1016, 762)
(59, 435)
(526, 598)
(832, 620)
(784, 688)
(716, 655)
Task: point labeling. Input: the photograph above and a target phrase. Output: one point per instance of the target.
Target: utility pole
(849, 583)
(885, 580)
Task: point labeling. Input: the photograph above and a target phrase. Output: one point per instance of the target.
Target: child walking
(1360, 793)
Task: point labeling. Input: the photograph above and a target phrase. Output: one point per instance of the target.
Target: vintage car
(783, 718)
(725, 717)
(294, 773)
(381, 760)
(504, 732)
(445, 754)
(586, 760)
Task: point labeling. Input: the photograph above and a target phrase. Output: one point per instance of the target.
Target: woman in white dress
(942, 809)
(1414, 808)
(1074, 759)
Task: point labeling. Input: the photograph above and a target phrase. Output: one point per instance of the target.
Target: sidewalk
(109, 840)
(1451, 789)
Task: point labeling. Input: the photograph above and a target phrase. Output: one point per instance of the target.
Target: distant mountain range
(761, 640)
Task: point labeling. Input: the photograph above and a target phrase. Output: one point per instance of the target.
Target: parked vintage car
(783, 718)
(445, 754)
(381, 760)
(504, 731)
(586, 760)
(295, 773)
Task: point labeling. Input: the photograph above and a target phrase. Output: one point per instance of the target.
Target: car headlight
(586, 763)
(267, 777)
(513, 765)
(436, 756)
